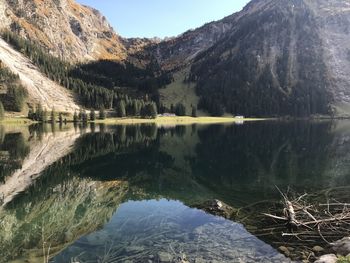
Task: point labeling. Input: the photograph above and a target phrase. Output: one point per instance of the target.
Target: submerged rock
(317, 249)
(342, 247)
(165, 257)
(284, 250)
(218, 208)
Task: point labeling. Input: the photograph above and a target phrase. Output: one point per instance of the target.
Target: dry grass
(185, 120)
(16, 120)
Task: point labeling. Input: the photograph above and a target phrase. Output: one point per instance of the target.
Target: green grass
(180, 92)
(344, 260)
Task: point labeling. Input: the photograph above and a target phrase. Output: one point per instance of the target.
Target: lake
(132, 193)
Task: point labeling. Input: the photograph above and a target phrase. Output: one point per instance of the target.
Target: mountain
(39, 88)
(272, 62)
(65, 28)
(285, 57)
(273, 58)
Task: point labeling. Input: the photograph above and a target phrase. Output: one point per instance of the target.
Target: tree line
(14, 94)
(94, 83)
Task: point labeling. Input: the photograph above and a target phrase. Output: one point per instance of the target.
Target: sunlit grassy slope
(180, 92)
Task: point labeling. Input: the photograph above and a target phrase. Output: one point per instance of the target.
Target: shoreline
(183, 120)
(172, 120)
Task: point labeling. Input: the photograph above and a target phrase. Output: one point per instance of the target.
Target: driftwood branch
(309, 220)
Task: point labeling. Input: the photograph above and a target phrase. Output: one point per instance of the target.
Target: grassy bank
(16, 121)
(185, 120)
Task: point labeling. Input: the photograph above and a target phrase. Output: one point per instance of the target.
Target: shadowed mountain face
(271, 62)
(272, 58)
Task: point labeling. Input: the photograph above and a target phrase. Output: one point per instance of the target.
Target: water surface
(128, 193)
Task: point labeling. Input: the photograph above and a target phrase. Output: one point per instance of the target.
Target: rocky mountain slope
(333, 18)
(272, 62)
(63, 27)
(40, 89)
(285, 57)
(272, 58)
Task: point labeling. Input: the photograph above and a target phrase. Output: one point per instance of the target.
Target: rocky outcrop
(333, 18)
(329, 258)
(178, 51)
(217, 208)
(65, 28)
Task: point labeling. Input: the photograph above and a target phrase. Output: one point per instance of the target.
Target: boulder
(341, 247)
(218, 208)
(329, 258)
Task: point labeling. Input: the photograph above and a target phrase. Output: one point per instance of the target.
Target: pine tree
(53, 116)
(84, 117)
(44, 116)
(180, 109)
(152, 110)
(31, 114)
(75, 117)
(136, 108)
(39, 113)
(102, 114)
(194, 112)
(121, 112)
(80, 115)
(2, 111)
(60, 118)
(92, 115)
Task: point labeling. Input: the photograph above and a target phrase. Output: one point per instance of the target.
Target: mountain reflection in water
(125, 192)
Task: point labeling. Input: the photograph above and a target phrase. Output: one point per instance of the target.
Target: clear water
(127, 193)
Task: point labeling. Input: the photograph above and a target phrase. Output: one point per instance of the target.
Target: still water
(128, 193)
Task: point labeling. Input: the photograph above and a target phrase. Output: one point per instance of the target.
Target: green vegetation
(53, 116)
(102, 114)
(149, 110)
(121, 112)
(179, 91)
(92, 115)
(2, 111)
(344, 259)
(180, 110)
(194, 112)
(246, 81)
(96, 84)
(14, 94)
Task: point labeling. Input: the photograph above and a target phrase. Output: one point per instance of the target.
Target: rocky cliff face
(65, 28)
(272, 62)
(175, 52)
(333, 18)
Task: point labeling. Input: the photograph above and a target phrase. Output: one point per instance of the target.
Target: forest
(13, 94)
(256, 81)
(101, 84)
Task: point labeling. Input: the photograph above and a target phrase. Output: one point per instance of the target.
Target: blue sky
(161, 18)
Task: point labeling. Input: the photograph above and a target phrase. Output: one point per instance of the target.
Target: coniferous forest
(131, 91)
(13, 94)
